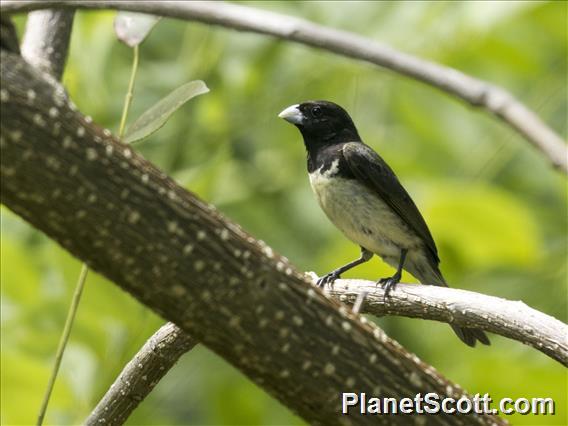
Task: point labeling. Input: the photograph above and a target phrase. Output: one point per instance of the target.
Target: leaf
(133, 28)
(157, 115)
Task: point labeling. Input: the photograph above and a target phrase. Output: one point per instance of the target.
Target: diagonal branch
(510, 319)
(46, 40)
(476, 92)
(129, 221)
(139, 377)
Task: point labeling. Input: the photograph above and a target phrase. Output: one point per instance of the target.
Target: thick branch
(476, 92)
(465, 308)
(514, 320)
(129, 221)
(46, 40)
(158, 355)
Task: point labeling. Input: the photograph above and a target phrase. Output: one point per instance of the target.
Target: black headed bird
(362, 197)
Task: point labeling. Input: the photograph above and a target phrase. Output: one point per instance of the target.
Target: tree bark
(158, 355)
(508, 318)
(130, 222)
(512, 319)
(475, 92)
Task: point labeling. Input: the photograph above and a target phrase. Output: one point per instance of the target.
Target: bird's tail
(470, 336)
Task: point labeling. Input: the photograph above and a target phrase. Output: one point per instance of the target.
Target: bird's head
(321, 123)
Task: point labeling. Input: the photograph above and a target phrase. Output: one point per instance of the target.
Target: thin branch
(46, 40)
(63, 342)
(139, 377)
(130, 91)
(512, 319)
(474, 91)
(184, 260)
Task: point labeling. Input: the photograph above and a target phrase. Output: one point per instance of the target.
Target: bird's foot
(389, 283)
(328, 279)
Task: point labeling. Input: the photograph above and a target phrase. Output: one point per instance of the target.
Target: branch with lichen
(129, 221)
(475, 92)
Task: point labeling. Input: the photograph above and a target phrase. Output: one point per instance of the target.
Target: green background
(496, 208)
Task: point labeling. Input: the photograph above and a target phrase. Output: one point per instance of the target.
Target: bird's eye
(316, 111)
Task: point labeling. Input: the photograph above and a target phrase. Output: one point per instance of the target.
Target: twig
(138, 378)
(474, 91)
(129, 92)
(63, 341)
(46, 40)
(512, 319)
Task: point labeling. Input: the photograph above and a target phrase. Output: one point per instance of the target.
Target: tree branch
(46, 40)
(514, 320)
(129, 221)
(476, 92)
(158, 355)
(465, 308)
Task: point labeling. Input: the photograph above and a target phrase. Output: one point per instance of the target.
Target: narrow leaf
(133, 28)
(155, 117)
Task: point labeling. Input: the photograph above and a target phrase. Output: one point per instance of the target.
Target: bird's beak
(292, 114)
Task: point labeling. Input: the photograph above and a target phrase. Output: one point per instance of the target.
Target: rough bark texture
(140, 375)
(46, 40)
(129, 221)
(508, 318)
(478, 93)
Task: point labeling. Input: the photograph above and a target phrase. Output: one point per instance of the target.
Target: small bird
(361, 195)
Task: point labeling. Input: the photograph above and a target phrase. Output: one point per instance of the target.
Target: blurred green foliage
(495, 207)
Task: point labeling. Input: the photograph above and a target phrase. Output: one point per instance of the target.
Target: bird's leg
(333, 275)
(390, 282)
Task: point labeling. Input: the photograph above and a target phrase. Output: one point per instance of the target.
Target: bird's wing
(369, 168)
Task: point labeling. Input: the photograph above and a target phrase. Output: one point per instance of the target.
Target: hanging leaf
(157, 115)
(133, 28)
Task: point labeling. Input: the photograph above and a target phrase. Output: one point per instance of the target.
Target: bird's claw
(389, 283)
(327, 279)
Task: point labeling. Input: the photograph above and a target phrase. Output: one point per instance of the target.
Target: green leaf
(157, 115)
(133, 28)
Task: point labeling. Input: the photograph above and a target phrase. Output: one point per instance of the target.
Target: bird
(361, 195)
